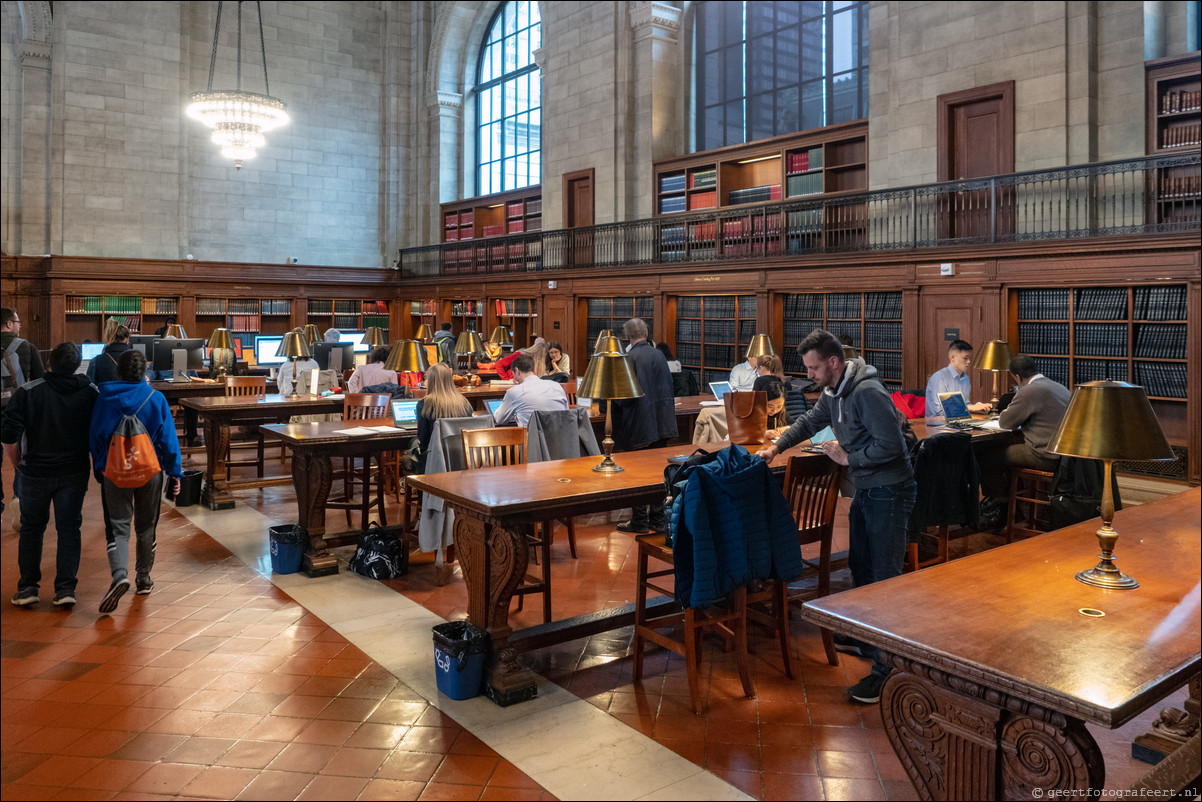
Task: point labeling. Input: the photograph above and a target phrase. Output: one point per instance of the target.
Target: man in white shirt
(529, 394)
(953, 379)
(743, 376)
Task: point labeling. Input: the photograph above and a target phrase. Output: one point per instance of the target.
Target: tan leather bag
(746, 417)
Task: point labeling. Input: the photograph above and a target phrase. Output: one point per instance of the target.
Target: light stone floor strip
(560, 741)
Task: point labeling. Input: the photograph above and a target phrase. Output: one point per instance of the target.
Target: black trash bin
(189, 488)
(287, 548)
(459, 651)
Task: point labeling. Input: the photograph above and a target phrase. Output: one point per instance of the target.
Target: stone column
(446, 141)
(31, 221)
(653, 128)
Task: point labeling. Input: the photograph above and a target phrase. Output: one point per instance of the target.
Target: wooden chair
(506, 445)
(812, 489)
(569, 389)
(1033, 489)
(248, 387)
(362, 407)
(728, 618)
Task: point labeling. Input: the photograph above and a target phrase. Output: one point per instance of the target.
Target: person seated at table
(770, 365)
(778, 418)
(287, 373)
(559, 364)
(742, 376)
(373, 372)
(531, 394)
(952, 379)
(537, 352)
(441, 400)
(331, 335)
(492, 352)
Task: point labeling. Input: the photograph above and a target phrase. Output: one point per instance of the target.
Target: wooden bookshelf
(347, 314)
(519, 315)
(712, 333)
(872, 321)
(612, 313)
(1174, 125)
(86, 314)
(468, 316)
(489, 216)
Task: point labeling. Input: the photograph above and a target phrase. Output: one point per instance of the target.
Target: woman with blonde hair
(538, 352)
(442, 400)
(770, 365)
(109, 334)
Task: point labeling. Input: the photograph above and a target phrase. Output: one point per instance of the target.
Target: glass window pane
(536, 88)
(732, 72)
(536, 131)
(523, 10)
(510, 18)
(494, 132)
(843, 41)
(844, 98)
(523, 49)
(812, 105)
(494, 172)
(535, 16)
(813, 56)
(787, 110)
(734, 132)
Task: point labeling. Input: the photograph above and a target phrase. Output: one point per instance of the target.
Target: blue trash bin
(459, 652)
(287, 548)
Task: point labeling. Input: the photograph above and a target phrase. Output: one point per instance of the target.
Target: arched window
(770, 68)
(509, 101)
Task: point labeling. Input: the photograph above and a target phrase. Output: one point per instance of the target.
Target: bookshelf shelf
(86, 313)
(468, 316)
(347, 314)
(712, 334)
(612, 313)
(872, 321)
(1174, 124)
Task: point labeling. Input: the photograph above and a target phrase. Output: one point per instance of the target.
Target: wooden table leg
(494, 558)
(960, 740)
(216, 494)
(311, 478)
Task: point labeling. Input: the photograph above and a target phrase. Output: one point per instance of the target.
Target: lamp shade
(605, 334)
(607, 345)
(424, 332)
(469, 342)
(220, 338)
(1110, 421)
(374, 337)
(994, 355)
(312, 335)
(500, 336)
(609, 376)
(176, 331)
(294, 346)
(849, 352)
(407, 355)
(760, 345)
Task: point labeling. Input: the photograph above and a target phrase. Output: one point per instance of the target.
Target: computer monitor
(334, 356)
(144, 343)
(356, 338)
(164, 355)
(266, 346)
(89, 351)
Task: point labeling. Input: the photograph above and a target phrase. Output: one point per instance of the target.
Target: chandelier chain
(263, 49)
(213, 55)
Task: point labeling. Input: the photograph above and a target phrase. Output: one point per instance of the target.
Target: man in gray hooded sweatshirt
(869, 442)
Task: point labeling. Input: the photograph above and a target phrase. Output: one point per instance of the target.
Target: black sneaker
(847, 645)
(144, 585)
(64, 599)
(24, 598)
(629, 528)
(116, 591)
(194, 442)
(867, 691)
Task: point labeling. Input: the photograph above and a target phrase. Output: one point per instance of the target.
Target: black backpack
(677, 474)
(380, 555)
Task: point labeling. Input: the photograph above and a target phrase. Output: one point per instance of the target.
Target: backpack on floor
(379, 555)
(132, 461)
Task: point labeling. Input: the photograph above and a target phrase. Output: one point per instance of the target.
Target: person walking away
(137, 507)
(20, 362)
(52, 414)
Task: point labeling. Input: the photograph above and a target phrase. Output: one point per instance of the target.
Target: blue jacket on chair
(730, 525)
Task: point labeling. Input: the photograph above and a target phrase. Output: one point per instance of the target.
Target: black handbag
(380, 555)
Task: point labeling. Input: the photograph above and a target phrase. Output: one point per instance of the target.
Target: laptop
(719, 389)
(404, 413)
(955, 412)
(493, 404)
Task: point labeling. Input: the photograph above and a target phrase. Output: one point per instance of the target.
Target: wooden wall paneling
(1194, 380)
(912, 355)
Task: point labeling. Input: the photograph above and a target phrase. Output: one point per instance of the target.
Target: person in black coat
(104, 367)
(646, 422)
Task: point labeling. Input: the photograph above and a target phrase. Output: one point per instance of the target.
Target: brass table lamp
(609, 376)
(425, 333)
(500, 336)
(294, 347)
(760, 345)
(607, 344)
(603, 340)
(221, 357)
(469, 343)
(994, 355)
(407, 356)
(312, 335)
(374, 337)
(1109, 421)
(176, 331)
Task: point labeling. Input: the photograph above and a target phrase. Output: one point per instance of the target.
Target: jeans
(136, 507)
(36, 494)
(876, 550)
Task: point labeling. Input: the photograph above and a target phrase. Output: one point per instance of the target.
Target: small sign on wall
(951, 334)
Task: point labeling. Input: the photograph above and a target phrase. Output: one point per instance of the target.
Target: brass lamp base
(1106, 574)
(608, 465)
(1111, 580)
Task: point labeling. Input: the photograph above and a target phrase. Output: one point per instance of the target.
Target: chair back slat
(501, 445)
(366, 406)
(812, 490)
(246, 386)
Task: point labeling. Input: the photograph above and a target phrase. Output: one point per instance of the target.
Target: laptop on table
(493, 404)
(955, 412)
(404, 413)
(719, 389)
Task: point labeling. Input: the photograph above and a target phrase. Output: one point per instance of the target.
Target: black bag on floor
(380, 555)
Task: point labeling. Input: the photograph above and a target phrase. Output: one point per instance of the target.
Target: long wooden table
(314, 445)
(222, 412)
(1000, 658)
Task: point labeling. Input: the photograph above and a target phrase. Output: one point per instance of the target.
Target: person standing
(648, 421)
(530, 394)
(444, 341)
(104, 367)
(20, 362)
(137, 507)
(953, 379)
(52, 414)
(869, 441)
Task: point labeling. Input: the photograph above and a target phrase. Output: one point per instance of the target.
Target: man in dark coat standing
(646, 422)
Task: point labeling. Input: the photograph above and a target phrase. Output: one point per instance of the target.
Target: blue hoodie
(120, 398)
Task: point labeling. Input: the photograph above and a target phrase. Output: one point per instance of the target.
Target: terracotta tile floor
(218, 685)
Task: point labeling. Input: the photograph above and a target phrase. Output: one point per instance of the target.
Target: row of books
(621, 308)
(517, 307)
(92, 304)
(321, 306)
(278, 306)
(703, 178)
(1179, 100)
(346, 321)
(1159, 303)
(808, 221)
(1181, 136)
(888, 365)
(800, 185)
(796, 330)
(1180, 186)
(672, 182)
(719, 331)
(887, 336)
(688, 353)
(720, 355)
(672, 204)
(844, 306)
(211, 306)
(243, 306)
(1160, 341)
(883, 306)
(755, 194)
(1161, 379)
(1100, 339)
(1043, 338)
(467, 308)
(1100, 303)
(1055, 368)
(1043, 304)
(464, 218)
(703, 200)
(493, 231)
(799, 161)
(243, 323)
(423, 307)
(347, 307)
(1097, 370)
(378, 321)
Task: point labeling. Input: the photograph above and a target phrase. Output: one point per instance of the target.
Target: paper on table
(823, 436)
(993, 425)
(712, 403)
(355, 431)
(381, 428)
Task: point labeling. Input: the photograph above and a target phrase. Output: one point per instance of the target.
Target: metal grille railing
(1148, 195)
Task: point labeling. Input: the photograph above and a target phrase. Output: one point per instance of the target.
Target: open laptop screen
(493, 404)
(954, 407)
(719, 389)
(404, 412)
(89, 351)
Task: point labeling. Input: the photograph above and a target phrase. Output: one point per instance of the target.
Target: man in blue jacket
(52, 414)
(138, 506)
(869, 441)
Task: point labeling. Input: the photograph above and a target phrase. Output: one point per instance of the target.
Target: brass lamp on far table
(425, 333)
(407, 356)
(469, 343)
(311, 334)
(176, 331)
(373, 337)
(221, 356)
(609, 377)
(994, 355)
(760, 345)
(1110, 421)
(500, 336)
(603, 342)
(294, 347)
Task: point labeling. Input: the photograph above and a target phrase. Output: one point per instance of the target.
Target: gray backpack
(11, 376)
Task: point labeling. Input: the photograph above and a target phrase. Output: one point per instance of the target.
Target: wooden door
(975, 139)
(578, 213)
(957, 314)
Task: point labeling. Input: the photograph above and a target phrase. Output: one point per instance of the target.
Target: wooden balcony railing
(1148, 195)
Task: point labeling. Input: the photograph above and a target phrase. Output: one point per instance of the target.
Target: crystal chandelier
(238, 119)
